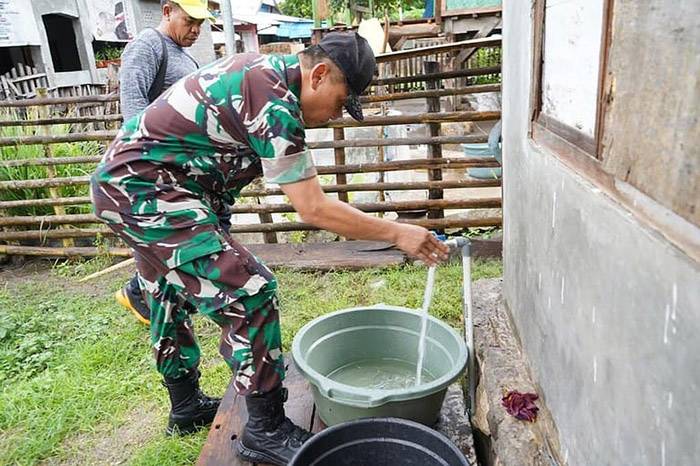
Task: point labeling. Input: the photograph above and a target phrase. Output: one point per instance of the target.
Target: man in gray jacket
(155, 60)
(148, 68)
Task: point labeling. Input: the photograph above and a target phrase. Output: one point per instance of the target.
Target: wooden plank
(24, 86)
(442, 117)
(476, 89)
(218, 449)
(434, 150)
(346, 255)
(353, 187)
(62, 120)
(61, 252)
(232, 416)
(29, 75)
(538, 11)
(339, 154)
(605, 40)
(423, 51)
(491, 248)
(444, 75)
(58, 138)
(396, 165)
(451, 222)
(373, 207)
(574, 136)
(63, 100)
(474, 12)
(486, 29)
(651, 130)
(13, 80)
(679, 231)
(5, 88)
(54, 193)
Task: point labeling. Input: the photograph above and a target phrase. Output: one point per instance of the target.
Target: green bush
(109, 53)
(485, 58)
(25, 151)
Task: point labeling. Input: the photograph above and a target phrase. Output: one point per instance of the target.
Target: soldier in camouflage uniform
(168, 176)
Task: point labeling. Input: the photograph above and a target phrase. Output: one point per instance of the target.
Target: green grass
(24, 151)
(75, 366)
(484, 58)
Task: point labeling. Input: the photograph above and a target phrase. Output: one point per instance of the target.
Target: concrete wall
(75, 9)
(607, 310)
(140, 14)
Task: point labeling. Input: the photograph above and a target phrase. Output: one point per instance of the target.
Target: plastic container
(491, 149)
(481, 151)
(380, 333)
(379, 442)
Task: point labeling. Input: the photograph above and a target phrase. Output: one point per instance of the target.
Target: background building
(59, 42)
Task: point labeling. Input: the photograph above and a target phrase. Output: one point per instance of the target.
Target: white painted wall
(571, 61)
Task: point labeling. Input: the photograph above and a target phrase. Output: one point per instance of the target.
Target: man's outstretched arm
(327, 213)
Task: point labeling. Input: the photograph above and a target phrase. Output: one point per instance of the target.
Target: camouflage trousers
(226, 283)
(250, 341)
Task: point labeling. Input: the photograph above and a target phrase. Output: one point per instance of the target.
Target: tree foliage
(298, 8)
(303, 9)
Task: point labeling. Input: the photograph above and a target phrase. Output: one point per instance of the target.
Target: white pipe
(468, 316)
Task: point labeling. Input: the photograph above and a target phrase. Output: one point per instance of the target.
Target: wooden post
(111, 108)
(341, 179)
(269, 237)
(434, 150)
(379, 91)
(315, 14)
(45, 112)
(15, 259)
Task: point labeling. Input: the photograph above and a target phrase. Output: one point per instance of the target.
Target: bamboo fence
(57, 234)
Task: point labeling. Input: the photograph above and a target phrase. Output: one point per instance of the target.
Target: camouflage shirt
(166, 174)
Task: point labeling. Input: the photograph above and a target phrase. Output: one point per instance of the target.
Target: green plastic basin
(379, 333)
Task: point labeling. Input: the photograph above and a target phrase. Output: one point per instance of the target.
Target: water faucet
(459, 242)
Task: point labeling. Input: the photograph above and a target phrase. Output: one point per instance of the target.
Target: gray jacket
(140, 62)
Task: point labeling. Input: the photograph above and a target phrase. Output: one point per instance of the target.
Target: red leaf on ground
(521, 405)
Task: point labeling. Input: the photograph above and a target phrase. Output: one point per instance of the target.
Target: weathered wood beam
(251, 228)
(353, 187)
(423, 51)
(442, 75)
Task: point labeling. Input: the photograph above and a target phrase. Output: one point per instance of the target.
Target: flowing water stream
(391, 373)
(427, 297)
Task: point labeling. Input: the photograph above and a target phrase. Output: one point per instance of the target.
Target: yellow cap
(197, 9)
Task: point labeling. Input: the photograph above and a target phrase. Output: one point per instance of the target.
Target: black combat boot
(190, 408)
(269, 436)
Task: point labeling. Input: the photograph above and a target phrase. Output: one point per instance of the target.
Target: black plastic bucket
(379, 442)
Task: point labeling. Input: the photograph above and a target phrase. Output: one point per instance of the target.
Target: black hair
(313, 55)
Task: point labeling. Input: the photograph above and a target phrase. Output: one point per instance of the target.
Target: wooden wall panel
(651, 134)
